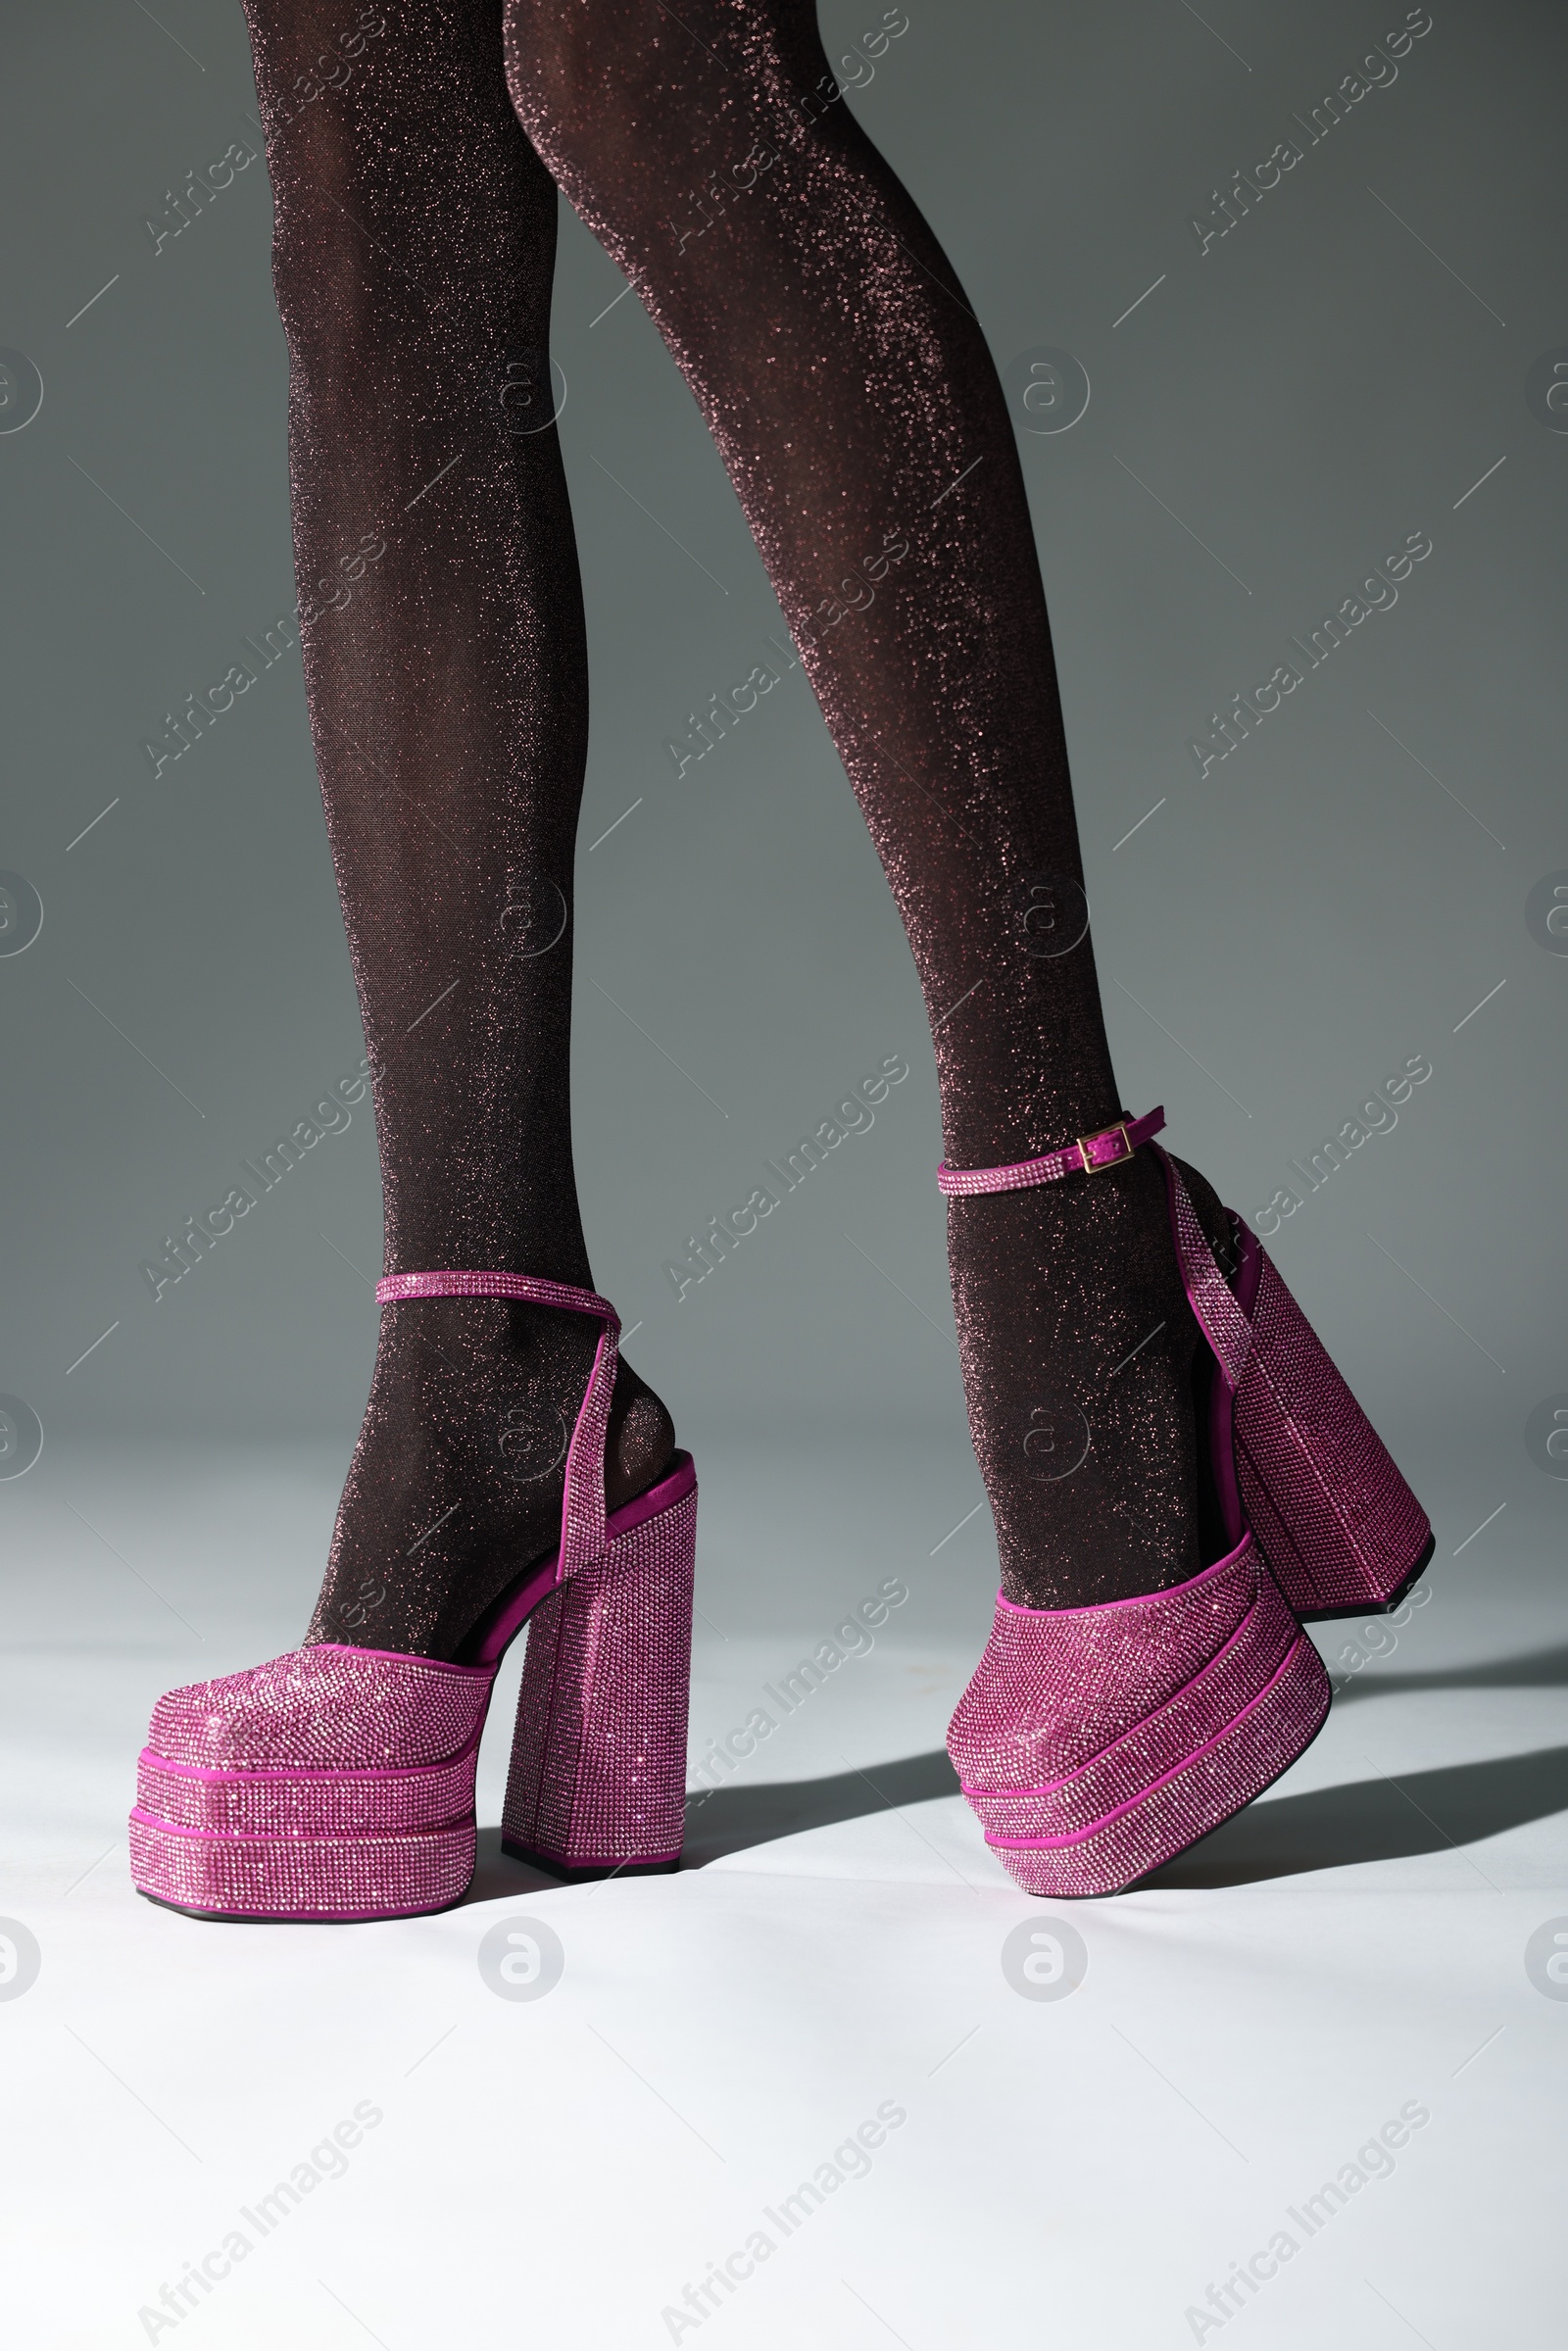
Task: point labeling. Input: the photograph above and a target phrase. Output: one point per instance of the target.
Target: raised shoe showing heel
(1333, 1516)
(337, 1783)
(1095, 1743)
(1337, 1522)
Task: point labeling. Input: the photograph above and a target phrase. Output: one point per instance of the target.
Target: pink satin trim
(1139, 1599)
(1048, 1788)
(1050, 1844)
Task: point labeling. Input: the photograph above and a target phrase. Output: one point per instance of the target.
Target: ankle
(459, 1475)
(1079, 1348)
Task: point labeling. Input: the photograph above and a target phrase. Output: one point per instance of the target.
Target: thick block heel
(598, 1780)
(1338, 1526)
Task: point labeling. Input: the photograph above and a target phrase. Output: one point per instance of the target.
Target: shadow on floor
(1376, 1820)
(496, 1876)
(1366, 1820)
(1541, 1669)
(730, 1820)
(1328, 1827)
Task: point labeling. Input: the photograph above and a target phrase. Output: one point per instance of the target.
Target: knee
(579, 73)
(371, 269)
(325, 302)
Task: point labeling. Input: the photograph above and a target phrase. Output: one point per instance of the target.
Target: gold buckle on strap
(1098, 1166)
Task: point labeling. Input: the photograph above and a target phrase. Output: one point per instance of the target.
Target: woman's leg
(444, 659)
(850, 389)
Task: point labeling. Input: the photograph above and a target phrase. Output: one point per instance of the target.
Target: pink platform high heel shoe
(1095, 1743)
(338, 1783)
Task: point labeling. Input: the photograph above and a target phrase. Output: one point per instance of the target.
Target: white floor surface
(1362, 1950)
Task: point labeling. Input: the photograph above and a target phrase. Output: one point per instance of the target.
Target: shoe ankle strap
(1088, 1156)
(582, 1510)
(524, 1286)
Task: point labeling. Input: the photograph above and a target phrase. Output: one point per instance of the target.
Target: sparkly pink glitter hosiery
(445, 665)
(832, 351)
(836, 358)
(337, 1782)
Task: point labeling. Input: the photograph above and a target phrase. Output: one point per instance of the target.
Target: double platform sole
(256, 1798)
(1149, 1721)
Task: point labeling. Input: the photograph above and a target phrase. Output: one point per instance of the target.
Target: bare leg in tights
(416, 233)
(851, 395)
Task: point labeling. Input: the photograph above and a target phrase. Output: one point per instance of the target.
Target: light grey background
(1272, 418)
(1275, 417)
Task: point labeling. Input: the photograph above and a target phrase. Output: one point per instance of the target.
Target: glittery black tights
(445, 665)
(834, 355)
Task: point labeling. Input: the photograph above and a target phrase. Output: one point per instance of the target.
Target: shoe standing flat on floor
(338, 1783)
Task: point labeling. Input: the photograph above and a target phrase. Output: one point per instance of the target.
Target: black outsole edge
(1329, 1616)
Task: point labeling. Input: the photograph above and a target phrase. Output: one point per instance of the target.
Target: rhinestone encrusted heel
(598, 1779)
(339, 1783)
(1341, 1529)
(1335, 1520)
